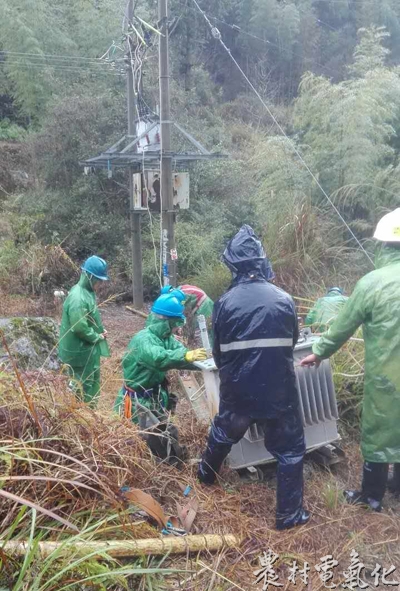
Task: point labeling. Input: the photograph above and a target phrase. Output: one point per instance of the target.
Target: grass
(332, 496)
(94, 449)
(64, 568)
(78, 465)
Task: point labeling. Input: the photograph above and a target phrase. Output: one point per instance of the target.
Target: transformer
(317, 404)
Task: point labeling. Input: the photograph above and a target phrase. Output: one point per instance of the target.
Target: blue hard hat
(339, 289)
(96, 267)
(166, 289)
(168, 305)
(175, 291)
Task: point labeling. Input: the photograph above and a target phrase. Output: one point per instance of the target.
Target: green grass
(67, 569)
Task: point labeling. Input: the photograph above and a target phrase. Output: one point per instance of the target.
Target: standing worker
(150, 354)
(255, 331)
(82, 335)
(375, 304)
(326, 309)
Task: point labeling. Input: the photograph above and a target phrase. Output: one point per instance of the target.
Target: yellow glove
(196, 355)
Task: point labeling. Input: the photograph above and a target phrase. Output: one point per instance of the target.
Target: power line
(55, 65)
(316, 18)
(52, 56)
(62, 68)
(217, 35)
(238, 29)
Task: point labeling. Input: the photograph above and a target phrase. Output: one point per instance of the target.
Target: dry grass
(98, 450)
(20, 305)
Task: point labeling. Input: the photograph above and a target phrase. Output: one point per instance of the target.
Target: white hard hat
(388, 228)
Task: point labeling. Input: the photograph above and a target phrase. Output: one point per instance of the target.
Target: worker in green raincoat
(197, 303)
(150, 354)
(82, 335)
(325, 310)
(375, 304)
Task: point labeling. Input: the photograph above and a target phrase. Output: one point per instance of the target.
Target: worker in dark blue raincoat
(255, 330)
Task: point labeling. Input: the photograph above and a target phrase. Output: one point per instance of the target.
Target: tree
(346, 129)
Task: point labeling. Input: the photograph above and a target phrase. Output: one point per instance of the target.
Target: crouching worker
(255, 330)
(150, 354)
(326, 309)
(82, 335)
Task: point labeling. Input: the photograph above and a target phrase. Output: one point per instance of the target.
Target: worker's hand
(310, 360)
(105, 333)
(196, 355)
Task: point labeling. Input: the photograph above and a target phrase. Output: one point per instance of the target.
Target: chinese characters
(352, 578)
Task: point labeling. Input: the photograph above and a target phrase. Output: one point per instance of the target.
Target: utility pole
(168, 214)
(135, 216)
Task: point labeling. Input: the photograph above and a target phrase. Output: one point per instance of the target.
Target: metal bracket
(114, 147)
(192, 140)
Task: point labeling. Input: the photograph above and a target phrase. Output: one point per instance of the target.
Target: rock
(32, 341)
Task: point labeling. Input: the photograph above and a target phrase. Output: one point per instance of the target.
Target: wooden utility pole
(168, 214)
(135, 216)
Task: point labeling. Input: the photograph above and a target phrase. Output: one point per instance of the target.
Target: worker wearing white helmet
(375, 304)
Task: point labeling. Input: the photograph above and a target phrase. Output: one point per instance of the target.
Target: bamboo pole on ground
(137, 312)
(128, 548)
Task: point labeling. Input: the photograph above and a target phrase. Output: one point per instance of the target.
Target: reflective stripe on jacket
(255, 330)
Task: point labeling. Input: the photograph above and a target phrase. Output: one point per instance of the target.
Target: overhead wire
(51, 56)
(238, 29)
(136, 63)
(217, 35)
(318, 20)
(53, 64)
(58, 62)
(56, 68)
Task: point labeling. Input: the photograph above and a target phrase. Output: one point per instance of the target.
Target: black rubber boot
(356, 497)
(394, 481)
(206, 475)
(375, 477)
(302, 519)
(373, 489)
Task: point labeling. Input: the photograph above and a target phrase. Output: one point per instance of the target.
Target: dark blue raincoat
(255, 330)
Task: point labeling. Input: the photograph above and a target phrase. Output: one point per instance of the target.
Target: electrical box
(181, 189)
(147, 189)
(317, 405)
(139, 198)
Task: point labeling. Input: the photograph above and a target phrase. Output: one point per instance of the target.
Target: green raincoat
(80, 343)
(191, 312)
(326, 309)
(375, 304)
(205, 309)
(150, 354)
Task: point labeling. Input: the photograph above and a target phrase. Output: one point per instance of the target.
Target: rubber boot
(373, 488)
(302, 519)
(394, 481)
